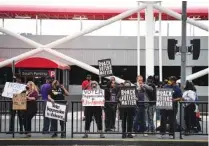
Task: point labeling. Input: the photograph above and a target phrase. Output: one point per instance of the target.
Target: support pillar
(188, 70)
(149, 40)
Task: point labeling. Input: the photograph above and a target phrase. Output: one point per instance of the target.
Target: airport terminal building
(119, 45)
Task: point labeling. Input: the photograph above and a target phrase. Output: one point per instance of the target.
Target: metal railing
(6, 113)
(78, 123)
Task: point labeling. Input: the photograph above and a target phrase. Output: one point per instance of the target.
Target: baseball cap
(173, 78)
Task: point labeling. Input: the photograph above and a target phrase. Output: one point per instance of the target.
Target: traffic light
(195, 48)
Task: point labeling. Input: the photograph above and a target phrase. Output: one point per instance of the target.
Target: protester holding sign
(32, 96)
(110, 105)
(95, 111)
(57, 94)
(128, 101)
(170, 114)
(17, 79)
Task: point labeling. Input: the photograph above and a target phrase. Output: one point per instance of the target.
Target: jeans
(139, 120)
(47, 121)
(149, 115)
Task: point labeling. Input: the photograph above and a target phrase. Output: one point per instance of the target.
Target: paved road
(37, 125)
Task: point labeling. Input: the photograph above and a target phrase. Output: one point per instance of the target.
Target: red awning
(92, 13)
(39, 62)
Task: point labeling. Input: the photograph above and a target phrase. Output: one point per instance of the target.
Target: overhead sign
(56, 111)
(40, 73)
(164, 98)
(105, 67)
(12, 88)
(128, 97)
(93, 97)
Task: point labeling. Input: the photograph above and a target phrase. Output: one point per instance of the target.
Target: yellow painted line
(99, 139)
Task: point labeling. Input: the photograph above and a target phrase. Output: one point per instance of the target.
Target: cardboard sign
(105, 67)
(56, 111)
(164, 98)
(128, 97)
(19, 101)
(93, 98)
(12, 88)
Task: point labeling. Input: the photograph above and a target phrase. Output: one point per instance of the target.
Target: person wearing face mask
(110, 108)
(93, 111)
(17, 79)
(57, 94)
(32, 96)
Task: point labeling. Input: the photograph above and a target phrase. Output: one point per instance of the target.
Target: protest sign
(93, 98)
(128, 97)
(12, 88)
(19, 101)
(56, 111)
(105, 67)
(164, 98)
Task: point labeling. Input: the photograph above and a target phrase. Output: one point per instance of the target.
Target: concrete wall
(89, 49)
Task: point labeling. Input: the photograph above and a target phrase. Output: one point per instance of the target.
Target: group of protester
(134, 119)
(141, 117)
(50, 91)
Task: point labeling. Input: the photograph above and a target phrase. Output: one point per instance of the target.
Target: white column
(36, 24)
(160, 49)
(188, 70)
(138, 42)
(149, 40)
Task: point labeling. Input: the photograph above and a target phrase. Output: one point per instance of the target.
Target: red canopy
(92, 13)
(39, 62)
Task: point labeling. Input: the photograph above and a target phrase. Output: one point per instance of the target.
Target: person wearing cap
(93, 111)
(170, 114)
(17, 79)
(45, 89)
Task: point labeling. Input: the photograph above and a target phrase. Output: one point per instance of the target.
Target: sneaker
(162, 136)
(54, 135)
(145, 135)
(129, 136)
(102, 136)
(63, 135)
(85, 136)
(171, 136)
(124, 136)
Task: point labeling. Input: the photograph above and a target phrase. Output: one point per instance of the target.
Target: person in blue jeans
(45, 89)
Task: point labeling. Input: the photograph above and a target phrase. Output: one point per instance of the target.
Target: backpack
(152, 94)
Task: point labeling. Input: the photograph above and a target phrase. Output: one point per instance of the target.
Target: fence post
(180, 103)
(72, 115)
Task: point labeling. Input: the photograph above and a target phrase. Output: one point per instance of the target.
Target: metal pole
(183, 44)
(168, 29)
(88, 30)
(138, 41)
(160, 48)
(36, 24)
(40, 26)
(178, 16)
(120, 28)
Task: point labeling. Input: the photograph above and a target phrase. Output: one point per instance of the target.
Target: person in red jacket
(86, 85)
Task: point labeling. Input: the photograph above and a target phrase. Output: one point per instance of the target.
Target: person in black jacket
(110, 106)
(127, 116)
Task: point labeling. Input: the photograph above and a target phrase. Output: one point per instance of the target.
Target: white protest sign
(105, 67)
(164, 98)
(56, 111)
(93, 98)
(12, 88)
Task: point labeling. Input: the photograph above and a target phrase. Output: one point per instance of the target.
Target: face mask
(27, 88)
(57, 86)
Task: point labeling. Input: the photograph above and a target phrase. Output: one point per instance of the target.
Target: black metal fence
(77, 127)
(76, 123)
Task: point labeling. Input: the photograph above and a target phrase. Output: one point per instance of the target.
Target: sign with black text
(128, 97)
(12, 88)
(105, 67)
(93, 97)
(56, 111)
(164, 98)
